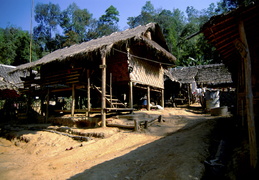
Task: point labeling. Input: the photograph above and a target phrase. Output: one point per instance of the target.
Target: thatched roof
(206, 74)
(9, 81)
(223, 32)
(106, 43)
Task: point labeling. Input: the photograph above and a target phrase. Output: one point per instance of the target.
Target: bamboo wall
(147, 73)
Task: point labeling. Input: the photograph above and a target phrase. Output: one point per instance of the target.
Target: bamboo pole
(103, 112)
(249, 97)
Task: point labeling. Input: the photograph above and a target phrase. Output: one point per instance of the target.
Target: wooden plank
(249, 96)
(67, 71)
(121, 126)
(69, 111)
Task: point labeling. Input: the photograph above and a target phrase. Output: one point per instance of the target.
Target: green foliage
(74, 22)
(110, 17)
(47, 16)
(147, 15)
(15, 46)
(107, 23)
(177, 28)
(56, 29)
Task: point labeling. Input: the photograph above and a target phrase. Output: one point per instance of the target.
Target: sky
(18, 12)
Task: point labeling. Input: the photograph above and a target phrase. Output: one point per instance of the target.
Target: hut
(9, 92)
(235, 36)
(183, 82)
(108, 74)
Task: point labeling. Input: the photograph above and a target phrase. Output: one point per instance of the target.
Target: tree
(92, 32)
(147, 15)
(23, 48)
(7, 46)
(74, 22)
(15, 46)
(171, 24)
(110, 17)
(107, 24)
(47, 17)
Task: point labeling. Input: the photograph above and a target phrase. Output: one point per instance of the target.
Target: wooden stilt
(189, 94)
(162, 98)
(47, 106)
(73, 101)
(249, 96)
(148, 98)
(88, 92)
(131, 94)
(111, 89)
(103, 112)
(136, 125)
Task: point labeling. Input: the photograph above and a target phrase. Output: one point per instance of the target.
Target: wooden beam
(249, 97)
(103, 112)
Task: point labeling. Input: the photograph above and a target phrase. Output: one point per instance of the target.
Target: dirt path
(173, 149)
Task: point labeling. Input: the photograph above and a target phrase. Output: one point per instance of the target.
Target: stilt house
(184, 80)
(106, 74)
(9, 92)
(235, 36)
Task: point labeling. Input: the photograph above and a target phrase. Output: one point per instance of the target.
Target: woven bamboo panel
(147, 73)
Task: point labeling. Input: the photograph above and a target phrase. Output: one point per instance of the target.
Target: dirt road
(173, 149)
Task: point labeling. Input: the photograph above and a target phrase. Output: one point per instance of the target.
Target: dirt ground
(175, 148)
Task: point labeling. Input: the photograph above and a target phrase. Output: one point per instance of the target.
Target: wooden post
(131, 94)
(103, 108)
(73, 101)
(136, 124)
(189, 93)
(148, 98)
(111, 89)
(88, 92)
(47, 105)
(249, 96)
(162, 98)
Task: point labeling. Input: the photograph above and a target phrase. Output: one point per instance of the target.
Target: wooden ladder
(110, 99)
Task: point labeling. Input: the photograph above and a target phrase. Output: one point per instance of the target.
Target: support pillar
(103, 108)
(249, 95)
(131, 94)
(73, 101)
(163, 98)
(148, 98)
(88, 92)
(47, 105)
